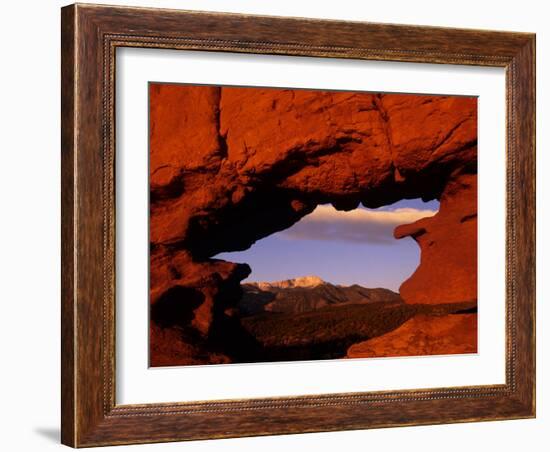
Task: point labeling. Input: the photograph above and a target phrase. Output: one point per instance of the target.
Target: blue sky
(346, 248)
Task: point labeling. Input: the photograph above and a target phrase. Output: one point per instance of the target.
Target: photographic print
(301, 224)
(270, 225)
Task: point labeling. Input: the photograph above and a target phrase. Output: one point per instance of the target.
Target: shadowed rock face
(229, 166)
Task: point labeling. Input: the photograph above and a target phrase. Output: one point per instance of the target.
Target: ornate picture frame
(90, 36)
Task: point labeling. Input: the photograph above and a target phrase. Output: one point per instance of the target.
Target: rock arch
(230, 166)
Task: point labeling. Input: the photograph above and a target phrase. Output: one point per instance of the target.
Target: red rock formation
(230, 166)
(423, 335)
(448, 244)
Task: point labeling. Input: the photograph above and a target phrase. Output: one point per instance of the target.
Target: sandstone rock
(168, 347)
(230, 166)
(253, 146)
(423, 335)
(448, 245)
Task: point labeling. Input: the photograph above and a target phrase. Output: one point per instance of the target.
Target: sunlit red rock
(448, 247)
(230, 166)
(423, 335)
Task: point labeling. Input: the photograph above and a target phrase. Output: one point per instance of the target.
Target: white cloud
(359, 225)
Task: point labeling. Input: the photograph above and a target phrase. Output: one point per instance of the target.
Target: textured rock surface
(448, 242)
(230, 166)
(423, 335)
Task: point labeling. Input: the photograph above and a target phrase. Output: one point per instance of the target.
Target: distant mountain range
(307, 293)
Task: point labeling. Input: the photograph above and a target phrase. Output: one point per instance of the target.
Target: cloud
(359, 225)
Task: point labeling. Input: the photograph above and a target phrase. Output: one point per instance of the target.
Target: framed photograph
(282, 225)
